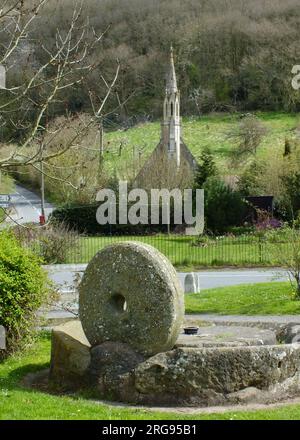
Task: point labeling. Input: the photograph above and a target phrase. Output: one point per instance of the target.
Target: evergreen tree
(206, 168)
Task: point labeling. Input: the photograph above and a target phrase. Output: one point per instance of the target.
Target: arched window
(172, 108)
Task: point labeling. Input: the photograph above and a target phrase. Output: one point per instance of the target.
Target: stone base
(190, 374)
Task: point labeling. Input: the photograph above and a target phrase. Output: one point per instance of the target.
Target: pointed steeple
(171, 85)
(171, 125)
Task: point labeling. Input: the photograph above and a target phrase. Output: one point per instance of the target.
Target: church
(171, 165)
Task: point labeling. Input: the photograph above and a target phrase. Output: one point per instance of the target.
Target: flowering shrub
(265, 221)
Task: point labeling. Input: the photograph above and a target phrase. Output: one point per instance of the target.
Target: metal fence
(182, 251)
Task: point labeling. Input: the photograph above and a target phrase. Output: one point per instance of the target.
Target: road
(63, 276)
(27, 206)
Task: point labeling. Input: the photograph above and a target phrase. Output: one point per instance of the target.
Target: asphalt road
(27, 206)
(64, 276)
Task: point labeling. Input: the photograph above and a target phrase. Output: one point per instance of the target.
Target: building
(171, 165)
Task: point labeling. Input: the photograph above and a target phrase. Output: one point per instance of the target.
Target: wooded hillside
(230, 54)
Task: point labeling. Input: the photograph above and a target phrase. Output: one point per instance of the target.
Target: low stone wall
(190, 376)
(218, 375)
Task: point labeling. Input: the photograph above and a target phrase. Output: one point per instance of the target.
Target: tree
(206, 168)
(224, 207)
(248, 183)
(204, 100)
(248, 135)
(291, 184)
(64, 65)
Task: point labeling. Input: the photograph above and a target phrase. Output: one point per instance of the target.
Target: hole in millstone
(118, 303)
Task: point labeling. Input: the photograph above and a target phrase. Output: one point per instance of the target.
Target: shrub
(224, 207)
(83, 219)
(249, 184)
(292, 188)
(52, 242)
(248, 135)
(265, 221)
(288, 256)
(24, 287)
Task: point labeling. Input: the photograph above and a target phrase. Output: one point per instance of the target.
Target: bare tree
(248, 135)
(66, 64)
(204, 100)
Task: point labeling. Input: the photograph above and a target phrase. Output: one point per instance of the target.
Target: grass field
(247, 299)
(20, 403)
(184, 254)
(198, 132)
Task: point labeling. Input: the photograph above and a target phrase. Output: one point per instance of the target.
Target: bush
(51, 243)
(224, 207)
(24, 287)
(289, 256)
(83, 219)
(248, 135)
(292, 187)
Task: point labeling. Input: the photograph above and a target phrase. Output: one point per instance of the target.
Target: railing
(184, 251)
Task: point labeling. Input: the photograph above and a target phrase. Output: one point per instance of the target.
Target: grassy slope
(198, 132)
(16, 402)
(248, 299)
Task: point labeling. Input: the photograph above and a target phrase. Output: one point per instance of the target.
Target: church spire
(171, 125)
(171, 86)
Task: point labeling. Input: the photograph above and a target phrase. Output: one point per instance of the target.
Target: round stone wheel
(130, 293)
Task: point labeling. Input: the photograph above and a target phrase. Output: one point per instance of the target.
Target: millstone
(130, 293)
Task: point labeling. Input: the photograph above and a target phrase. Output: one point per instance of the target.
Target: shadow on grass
(17, 378)
(34, 378)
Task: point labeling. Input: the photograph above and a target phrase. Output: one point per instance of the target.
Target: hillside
(231, 55)
(125, 152)
(207, 131)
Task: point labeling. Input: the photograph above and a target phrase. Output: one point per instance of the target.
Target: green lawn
(183, 253)
(17, 402)
(247, 299)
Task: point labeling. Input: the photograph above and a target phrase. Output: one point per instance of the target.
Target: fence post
(260, 249)
(2, 338)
